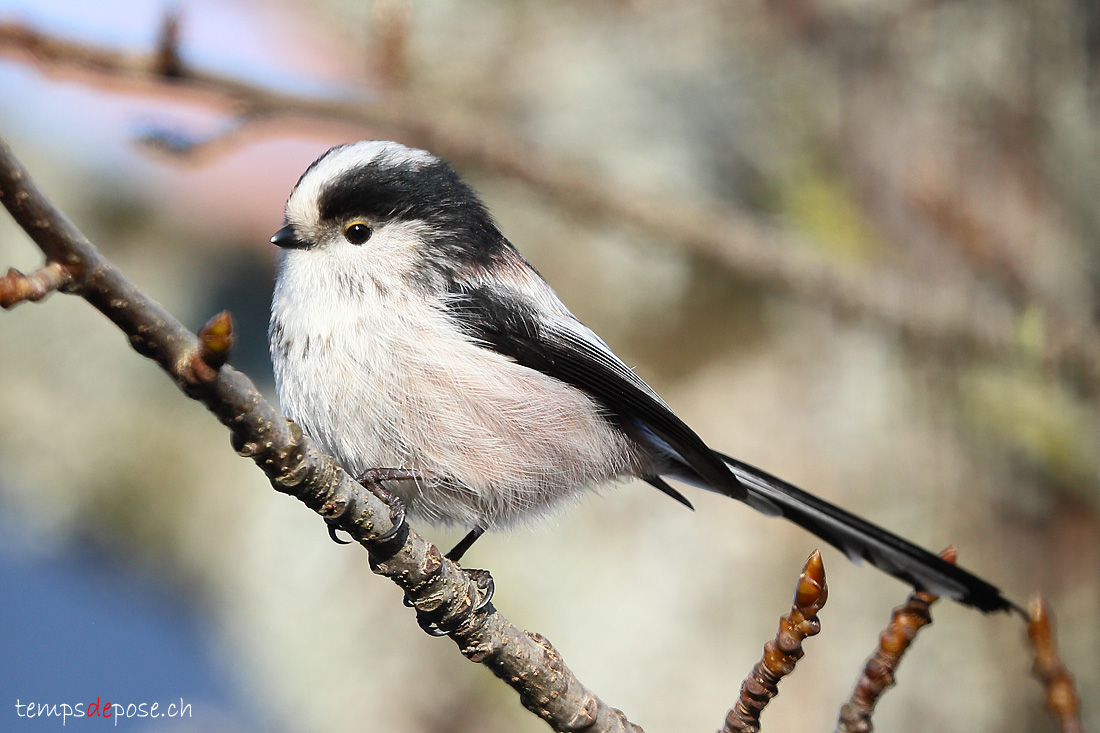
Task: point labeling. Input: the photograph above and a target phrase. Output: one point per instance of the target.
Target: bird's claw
(485, 587)
(397, 518)
(375, 476)
(332, 529)
(428, 627)
(397, 507)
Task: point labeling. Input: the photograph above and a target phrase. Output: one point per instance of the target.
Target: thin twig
(782, 653)
(390, 31)
(169, 62)
(938, 316)
(443, 594)
(1062, 701)
(198, 149)
(878, 674)
(16, 288)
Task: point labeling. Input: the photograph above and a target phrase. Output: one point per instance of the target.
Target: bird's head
(377, 204)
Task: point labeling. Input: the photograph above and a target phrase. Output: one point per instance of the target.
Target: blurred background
(920, 156)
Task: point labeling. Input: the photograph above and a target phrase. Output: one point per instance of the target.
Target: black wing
(563, 348)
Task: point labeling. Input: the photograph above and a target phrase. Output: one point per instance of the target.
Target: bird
(415, 344)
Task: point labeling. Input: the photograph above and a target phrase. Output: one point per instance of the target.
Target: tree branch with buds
(879, 672)
(782, 653)
(1063, 702)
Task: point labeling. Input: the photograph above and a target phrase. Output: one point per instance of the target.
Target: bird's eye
(357, 232)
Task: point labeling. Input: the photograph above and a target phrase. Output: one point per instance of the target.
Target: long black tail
(858, 538)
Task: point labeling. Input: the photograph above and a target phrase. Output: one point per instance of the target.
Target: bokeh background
(951, 145)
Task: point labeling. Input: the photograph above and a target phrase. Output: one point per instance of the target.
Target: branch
(941, 317)
(782, 653)
(1062, 702)
(195, 149)
(443, 594)
(878, 674)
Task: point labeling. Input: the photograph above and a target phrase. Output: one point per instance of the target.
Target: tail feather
(859, 539)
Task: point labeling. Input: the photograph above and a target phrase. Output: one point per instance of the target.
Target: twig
(878, 674)
(781, 654)
(169, 62)
(1062, 700)
(443, 594)
(15, 287)
(390, 62)
(936, 315)
(197, 149)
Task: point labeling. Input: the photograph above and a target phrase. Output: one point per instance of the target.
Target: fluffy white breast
(375, 370)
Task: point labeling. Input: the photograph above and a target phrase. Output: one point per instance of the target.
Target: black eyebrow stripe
(461, 232)
(385, 189)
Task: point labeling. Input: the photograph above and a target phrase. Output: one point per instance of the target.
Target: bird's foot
(332, 530)
(375, 476)
(484, 587)
(464, 544)
(372, 478)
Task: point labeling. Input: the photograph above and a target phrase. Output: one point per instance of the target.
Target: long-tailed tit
(408, 333)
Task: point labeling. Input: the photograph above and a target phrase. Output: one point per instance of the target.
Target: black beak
(288, 239)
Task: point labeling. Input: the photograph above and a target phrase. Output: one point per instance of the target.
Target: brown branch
(938, 316)
(878, 674)
(781, 654)
(15, 287)
(1061, 694)
(442, 593)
